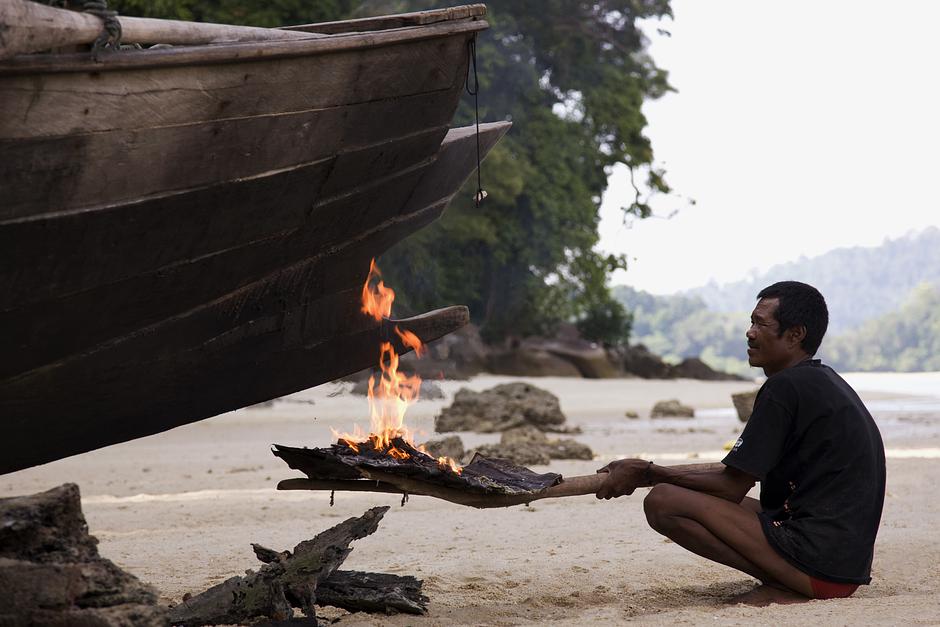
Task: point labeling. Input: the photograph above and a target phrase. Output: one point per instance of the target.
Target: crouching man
(816, 452)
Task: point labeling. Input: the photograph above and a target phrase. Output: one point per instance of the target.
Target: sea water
(905, 405)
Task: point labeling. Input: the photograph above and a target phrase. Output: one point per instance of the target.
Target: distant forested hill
(680, 326)
(884, 305)
(859, 283)
(905, 340)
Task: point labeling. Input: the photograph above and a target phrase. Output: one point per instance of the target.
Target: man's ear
(796, 335)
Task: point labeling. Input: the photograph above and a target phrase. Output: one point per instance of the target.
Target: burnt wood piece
(357, 591)
(280, 585)
(397, 484)
(339, 467)
(481, 475)
(51, 572)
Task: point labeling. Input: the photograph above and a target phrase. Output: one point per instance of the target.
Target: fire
(376, 298)
(393, 392)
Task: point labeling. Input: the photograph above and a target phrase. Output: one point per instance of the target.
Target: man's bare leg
(727, 533)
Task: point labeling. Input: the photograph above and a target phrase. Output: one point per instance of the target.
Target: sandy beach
(180, 509)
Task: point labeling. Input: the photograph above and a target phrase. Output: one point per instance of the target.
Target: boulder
(695, 368)
(528, 445)
(671, 409)
(526, 361)
(450, 446)
(569, 449)
(458, 355)
(429, 390)
(591, 360)
(51, 573)
(744, 404)
(500, 408)
(526, 434)
(521, 454)
(639, 361)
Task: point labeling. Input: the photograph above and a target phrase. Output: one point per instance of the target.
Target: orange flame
(376, 298)
(393, 392)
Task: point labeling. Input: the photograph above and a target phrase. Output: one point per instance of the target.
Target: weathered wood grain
(135, 98)
(35, 334)
(38, 332)
(357, 591)
(287, 331)
(98, 248)
(58, 175)
(281, 584)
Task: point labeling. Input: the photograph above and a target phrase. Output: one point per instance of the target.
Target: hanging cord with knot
(475, 92)
(110, 36)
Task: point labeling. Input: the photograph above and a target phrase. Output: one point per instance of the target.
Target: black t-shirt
(821, 463)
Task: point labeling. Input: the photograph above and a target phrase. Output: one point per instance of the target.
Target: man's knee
(657, 505)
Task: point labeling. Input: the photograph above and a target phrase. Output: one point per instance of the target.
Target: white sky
(798, 127)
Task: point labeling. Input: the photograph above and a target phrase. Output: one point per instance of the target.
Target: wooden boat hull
(184, 233)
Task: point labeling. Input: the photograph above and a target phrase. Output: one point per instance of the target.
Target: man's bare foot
(765, 595)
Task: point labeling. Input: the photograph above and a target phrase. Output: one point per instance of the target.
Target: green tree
(572, 76)
(267, 13)
(905, 340)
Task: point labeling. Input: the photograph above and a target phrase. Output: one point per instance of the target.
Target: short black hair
(799, 305)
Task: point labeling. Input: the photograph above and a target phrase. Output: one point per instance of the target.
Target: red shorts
(828, 590)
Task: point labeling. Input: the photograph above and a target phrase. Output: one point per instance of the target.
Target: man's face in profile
(765, 347)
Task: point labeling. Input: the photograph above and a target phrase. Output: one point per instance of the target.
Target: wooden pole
(389, 483)
(30, 27)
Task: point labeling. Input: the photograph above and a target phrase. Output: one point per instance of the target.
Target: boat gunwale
(242, 52)
(377, 23)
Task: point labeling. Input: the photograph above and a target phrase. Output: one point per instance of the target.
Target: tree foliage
(859, 283)
(572, 77)
(906, 340)
(267, 13)
(681, 326)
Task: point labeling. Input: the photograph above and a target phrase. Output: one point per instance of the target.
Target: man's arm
(626, 475)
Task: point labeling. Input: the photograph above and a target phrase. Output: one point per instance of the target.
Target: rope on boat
(110, 36)
(475, 92)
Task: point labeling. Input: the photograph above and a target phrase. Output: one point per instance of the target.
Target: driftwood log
(357, 591)
(303, 578)
(32, 26)
(51, 573)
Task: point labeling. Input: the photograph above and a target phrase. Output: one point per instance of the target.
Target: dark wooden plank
(384, 593)
(48, 259)
(294, 329)
(272, 338)
(133, 98)
(40, 332)
(56, 175)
